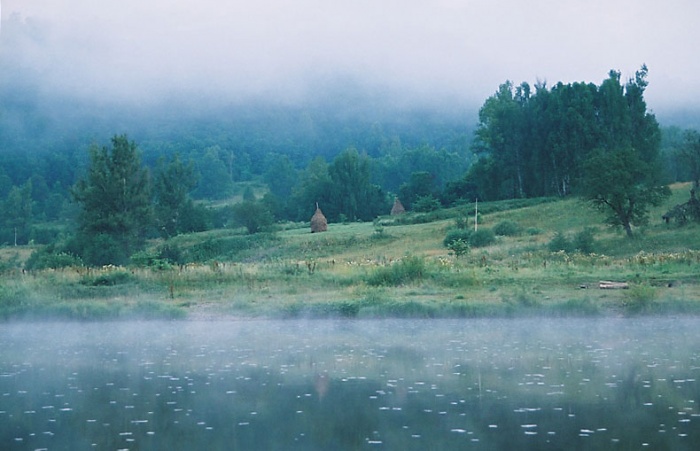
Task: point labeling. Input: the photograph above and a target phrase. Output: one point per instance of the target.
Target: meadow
(547, 259)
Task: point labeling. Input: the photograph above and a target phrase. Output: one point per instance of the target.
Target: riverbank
(395, 267)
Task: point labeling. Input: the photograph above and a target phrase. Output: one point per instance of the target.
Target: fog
(418, 52)
(596, 383)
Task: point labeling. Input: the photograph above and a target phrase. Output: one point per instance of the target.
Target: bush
(507, 228)
(459, 247)
(456, 234)
(584, 241)
(482, 238)
(560, 243)
(49, 258)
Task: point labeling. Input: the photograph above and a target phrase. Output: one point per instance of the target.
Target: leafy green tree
(314, 186)
(624, 176)
(352, 193)
(215, 180)
(17, 215)
(115, 199)
(622, 184)
(280, 175)
(254, 216)
(421, 184)
(172, 185)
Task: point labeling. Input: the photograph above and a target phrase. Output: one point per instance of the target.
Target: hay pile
(319, 223)
(397, 209)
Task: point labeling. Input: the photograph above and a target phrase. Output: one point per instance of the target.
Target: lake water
(382, 384)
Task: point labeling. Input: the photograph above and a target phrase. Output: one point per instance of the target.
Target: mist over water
(388, 384)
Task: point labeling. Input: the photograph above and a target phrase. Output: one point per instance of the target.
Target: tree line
(599, 142)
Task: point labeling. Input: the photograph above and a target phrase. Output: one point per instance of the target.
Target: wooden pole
(476, 215)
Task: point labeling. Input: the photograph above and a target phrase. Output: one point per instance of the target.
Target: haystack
(397, 209)
(319, 223)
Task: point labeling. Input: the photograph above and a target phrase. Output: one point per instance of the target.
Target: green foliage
(454, 235)
(353, 194)
(482, 238)
(534, 142)
(215, 174)
(624, 185)
(254, 216)
(689, 155)
(218, 249)
(560, 242)
(419, 186)
(45, 234)
(16, 215)
(405, 271)
(116, 211)
(426, 204)
(459, 247)
(173, 182)
(50, 258)
(460, 240)
(507, 228)
(583, 242)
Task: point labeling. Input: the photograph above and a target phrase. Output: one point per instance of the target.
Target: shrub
(459, 247)
(456, 234)
(482, 238)
(584, 241)
(560, 243)
(50, 258)
(507, 228)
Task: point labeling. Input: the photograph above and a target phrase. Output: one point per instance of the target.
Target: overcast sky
(460, 50)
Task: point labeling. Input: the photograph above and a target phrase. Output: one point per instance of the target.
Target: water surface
(381, 384)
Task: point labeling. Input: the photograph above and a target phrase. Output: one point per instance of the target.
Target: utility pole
(476, 215)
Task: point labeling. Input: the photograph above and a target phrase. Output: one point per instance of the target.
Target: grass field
(390, 268)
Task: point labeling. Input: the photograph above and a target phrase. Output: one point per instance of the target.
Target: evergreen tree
(115, 200)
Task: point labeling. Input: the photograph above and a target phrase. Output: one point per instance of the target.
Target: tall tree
(172, 185)
(17, 215)
(353, 194)
(314, 186)
(499, 137)
(624, 176)
(115, 200)
(689, 154)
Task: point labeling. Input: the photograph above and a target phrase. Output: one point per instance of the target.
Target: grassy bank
(395, 267)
